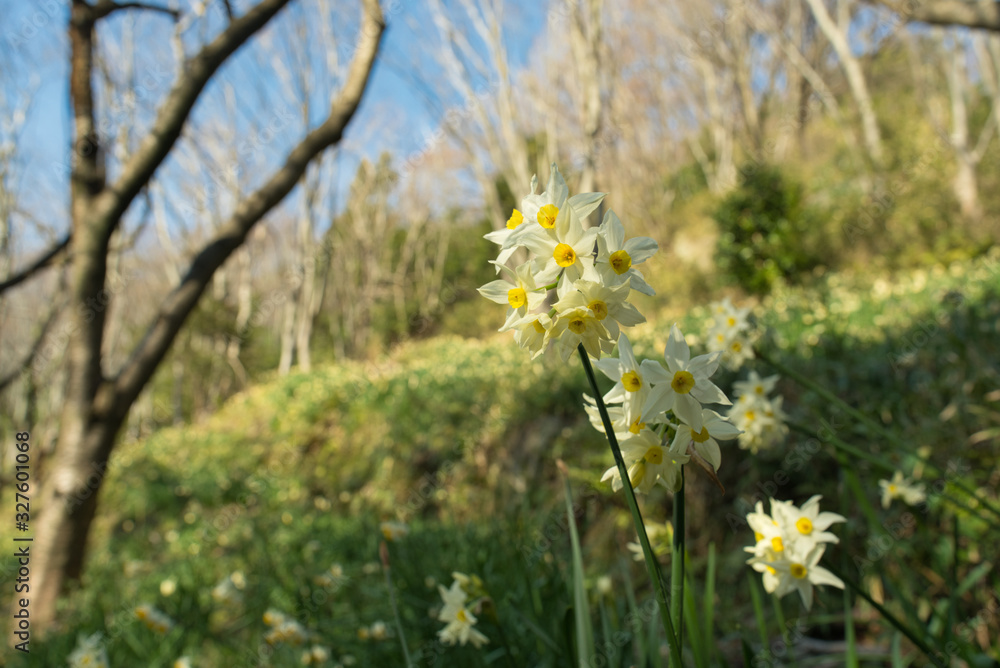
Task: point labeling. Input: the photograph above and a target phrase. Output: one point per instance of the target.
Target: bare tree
(951, 53)
(587, 44)
(969, 13)
(488, 124)
(836, 33)
(97, 401)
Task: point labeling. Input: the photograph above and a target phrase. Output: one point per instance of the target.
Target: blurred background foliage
(877, 277)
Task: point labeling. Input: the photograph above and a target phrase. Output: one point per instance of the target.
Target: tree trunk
(95, 406)
(855, 79)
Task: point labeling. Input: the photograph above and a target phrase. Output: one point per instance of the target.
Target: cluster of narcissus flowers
(789, 544)
(153, 618)
(652, 400)
(89, 652)
(757, 415)
(902, 488)
(729, 333)
(457, 611)
(592, 270)
(284, 629)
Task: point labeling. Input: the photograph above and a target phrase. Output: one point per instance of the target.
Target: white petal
(676, 349)
(584, 204)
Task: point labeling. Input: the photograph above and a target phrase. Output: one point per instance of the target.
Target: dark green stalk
(384, 553)
(677, 564)
(652, 565)
(885, 466)
(889, 617)
(807, 382)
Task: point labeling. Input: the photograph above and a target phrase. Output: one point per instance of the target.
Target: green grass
(459, 438)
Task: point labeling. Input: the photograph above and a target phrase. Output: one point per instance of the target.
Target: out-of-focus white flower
(393, 531)
(315, 655)
(730, 333)
(153, 618)
(788, 546)
(458, 618)
(284, 629)
(89, 652)
(902, 488)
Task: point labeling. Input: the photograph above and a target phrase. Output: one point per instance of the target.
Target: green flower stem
(889, 617)
(652, 565)
(677, 564)
(495, 618)
(864, 419)
(392, 600)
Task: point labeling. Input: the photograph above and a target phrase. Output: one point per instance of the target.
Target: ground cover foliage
(287, 485)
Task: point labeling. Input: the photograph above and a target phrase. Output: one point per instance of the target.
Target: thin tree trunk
(95, 406)
(855, 79)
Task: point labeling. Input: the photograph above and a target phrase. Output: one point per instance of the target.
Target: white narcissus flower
(616, 257)
(89, 652)
(539, 212)
(649, 462)
(501, 237)
(530, 331)
(725, 316)
(763, 526)
(609, 306)
(689, 386)
(567, 250)
(806, 526)
(761, 419)
(459, 619)
(705, 440)
(578, 325)
(619, 421)
(901, 488)
(799, 571)
(729, 333)
(153, 618)
(624, 370)
(393, 531)
(754, 385)
(519, 293)
(788, 546)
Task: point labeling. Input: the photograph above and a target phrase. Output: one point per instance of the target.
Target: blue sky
(393, 116)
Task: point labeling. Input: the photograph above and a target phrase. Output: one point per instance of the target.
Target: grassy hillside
(459, 438)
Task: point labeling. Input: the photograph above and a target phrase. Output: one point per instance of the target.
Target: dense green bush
(766, 232)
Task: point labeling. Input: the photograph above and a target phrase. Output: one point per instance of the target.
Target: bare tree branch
(54, 309)
(105, 7)
(136, 172)
(977, 14)
(177, 305)
(38, 265)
